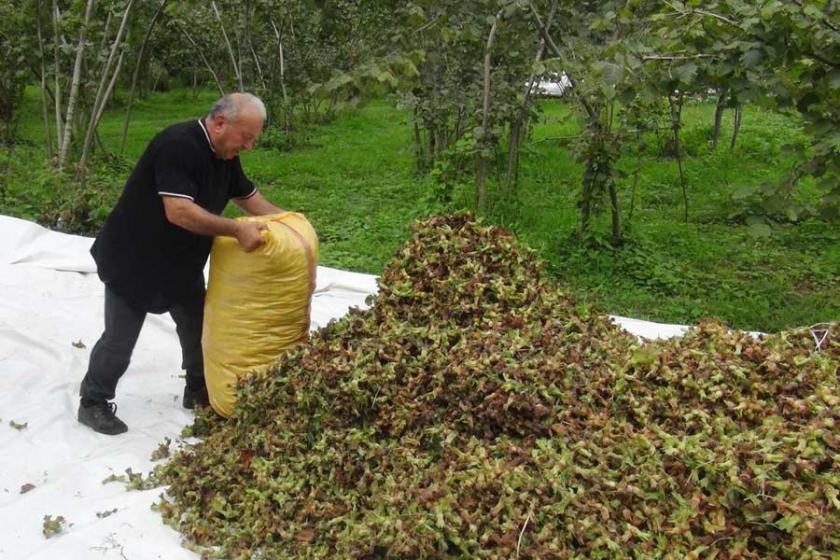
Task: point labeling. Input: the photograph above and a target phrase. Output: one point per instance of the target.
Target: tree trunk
(287, 114)
(481, 175)
(616, 215)
(236, 70)
(736, 128)
(431, 135)
(104, 91)
(137, 66)
(249, 40)
(200, 52)
(512, 175)
(676, 124)
(74, 87)
(459, 123)
(44, 83)
(59, 127)
(719, 108)
(588, 187)
(513, 156)
(420, 156)
(636, 174)
(105, 31)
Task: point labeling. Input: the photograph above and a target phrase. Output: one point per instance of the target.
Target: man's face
(233, 136)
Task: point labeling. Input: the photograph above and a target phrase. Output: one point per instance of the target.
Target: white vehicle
(551, 84)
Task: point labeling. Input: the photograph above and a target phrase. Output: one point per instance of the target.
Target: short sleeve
(175, 173)
(241, 187)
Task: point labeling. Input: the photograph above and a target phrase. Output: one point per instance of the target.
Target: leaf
(686, 72)
(752, 58)
(834, 78)
(52, 526)
(789, 522)
(743, 192)
(612, 73)
(760, 229)
(106, 513)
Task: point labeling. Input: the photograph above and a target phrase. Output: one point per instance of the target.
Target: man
(153, 247)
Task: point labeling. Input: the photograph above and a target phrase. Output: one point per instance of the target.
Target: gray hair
(230, 105)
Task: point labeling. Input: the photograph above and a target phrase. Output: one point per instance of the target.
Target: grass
(355, 181)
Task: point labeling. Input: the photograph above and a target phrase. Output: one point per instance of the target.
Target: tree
(13, 66)
(790, 52)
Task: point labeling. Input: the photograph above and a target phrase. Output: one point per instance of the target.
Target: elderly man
(153, 247)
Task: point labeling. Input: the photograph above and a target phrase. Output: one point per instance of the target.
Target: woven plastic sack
(257, 304)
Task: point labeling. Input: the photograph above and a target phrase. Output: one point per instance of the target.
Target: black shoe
(102, 417)
(195, 397)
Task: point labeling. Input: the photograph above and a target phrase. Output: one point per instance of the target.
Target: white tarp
(51, 305)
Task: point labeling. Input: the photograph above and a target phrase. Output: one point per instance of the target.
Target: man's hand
(249, 234)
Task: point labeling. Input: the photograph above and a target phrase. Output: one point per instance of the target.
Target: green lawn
(356, 182)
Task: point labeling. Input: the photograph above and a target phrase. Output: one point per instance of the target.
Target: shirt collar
(204, 130)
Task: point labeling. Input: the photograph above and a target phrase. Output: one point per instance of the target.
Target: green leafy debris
(477, 411)
(139, 481)
(162, 451)
(52, 526)
(114, 478)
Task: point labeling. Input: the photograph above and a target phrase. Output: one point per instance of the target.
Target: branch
(676, 56)
(485, 112)
(64, 145)
(282, 63)
(59, 130)
(136, 73)
(236, 69)
(428, 24)
(716, 16)
(824, 21)
(537, 58)
(550, 42)
(105, 88)
(200, 52)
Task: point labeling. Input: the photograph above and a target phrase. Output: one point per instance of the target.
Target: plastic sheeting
(50, 315)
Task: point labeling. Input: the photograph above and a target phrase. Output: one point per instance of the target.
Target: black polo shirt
(139, 254)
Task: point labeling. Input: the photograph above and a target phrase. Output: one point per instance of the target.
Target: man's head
(234, 123)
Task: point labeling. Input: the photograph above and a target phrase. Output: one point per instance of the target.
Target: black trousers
(112, 352)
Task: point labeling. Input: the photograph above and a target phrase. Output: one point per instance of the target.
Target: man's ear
(219, 120)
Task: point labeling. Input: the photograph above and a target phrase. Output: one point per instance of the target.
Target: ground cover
(355, 180)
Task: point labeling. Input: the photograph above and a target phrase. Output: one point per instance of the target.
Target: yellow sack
(257, 303)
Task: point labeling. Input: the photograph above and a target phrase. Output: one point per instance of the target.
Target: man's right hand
(249, 234)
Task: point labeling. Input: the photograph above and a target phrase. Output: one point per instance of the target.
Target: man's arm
(257, 205)
(192, 217)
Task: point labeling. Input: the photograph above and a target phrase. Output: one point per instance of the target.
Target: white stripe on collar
(204, 129)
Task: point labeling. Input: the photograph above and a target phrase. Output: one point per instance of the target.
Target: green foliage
(275, 138)
(450, 40)
(306, 59)
(14, 71)
(78, 209)
(40, 193)
(453, 171)
(355, 181)
(784, 55)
